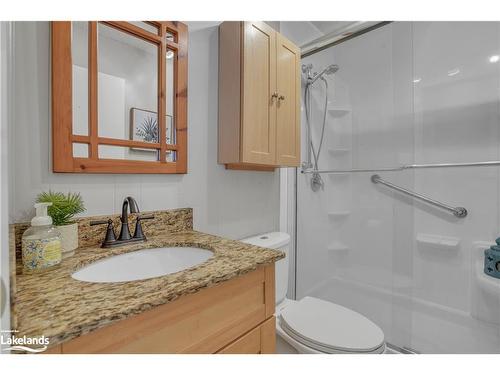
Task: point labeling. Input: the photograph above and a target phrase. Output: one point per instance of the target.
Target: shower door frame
(289, 177)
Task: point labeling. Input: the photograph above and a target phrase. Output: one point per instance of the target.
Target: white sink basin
(142, 264)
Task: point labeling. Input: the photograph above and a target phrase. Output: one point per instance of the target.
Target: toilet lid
(329, 327)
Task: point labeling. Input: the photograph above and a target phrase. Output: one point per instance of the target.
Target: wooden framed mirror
(119, 97)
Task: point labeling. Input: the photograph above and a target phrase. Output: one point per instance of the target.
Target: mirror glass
(127, 93)
(80, 60)
(126, 153)
(80, 150)
(146, 26)
(171, 37)
(171, 156)
(171, 57)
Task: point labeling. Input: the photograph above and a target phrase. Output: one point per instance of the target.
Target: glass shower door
(456, 306)
(353, 239)
(405, 93)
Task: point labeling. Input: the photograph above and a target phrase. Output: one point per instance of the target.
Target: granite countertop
(53, 304)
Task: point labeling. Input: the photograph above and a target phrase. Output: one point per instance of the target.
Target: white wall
(228, 203)
(4, 201)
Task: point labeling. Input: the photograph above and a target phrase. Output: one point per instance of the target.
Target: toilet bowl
(315, 326)
(312, 325)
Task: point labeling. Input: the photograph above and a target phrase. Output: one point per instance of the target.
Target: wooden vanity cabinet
(235, 316)
(260, 340)
(259, 97)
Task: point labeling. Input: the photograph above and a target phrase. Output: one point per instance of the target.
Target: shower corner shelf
(339, 214)
(437, 242)
(338, 111)
(338, 246)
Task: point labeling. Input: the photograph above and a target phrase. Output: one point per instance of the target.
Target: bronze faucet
(129, 204)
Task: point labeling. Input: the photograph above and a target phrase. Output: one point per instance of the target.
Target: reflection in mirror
(171, 156)
(170, 130)
(111, 79)
(146, 26)
(80, 97)
(80, 150)
(127, 92)
(170, 37)
(169, 98)
(127, 153)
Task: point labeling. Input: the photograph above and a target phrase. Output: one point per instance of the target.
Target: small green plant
(64, 206)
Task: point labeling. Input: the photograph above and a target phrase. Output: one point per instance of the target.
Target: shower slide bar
(408, 166)
(457, 211)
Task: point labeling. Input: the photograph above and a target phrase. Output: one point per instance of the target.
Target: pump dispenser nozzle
(41, 217)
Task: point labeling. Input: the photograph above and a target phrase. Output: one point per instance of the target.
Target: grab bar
(457, 211)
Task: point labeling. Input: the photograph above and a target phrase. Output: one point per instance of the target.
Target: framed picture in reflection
(144, 127)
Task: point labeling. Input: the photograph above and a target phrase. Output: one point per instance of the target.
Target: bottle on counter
(492, 260)
(41, 243)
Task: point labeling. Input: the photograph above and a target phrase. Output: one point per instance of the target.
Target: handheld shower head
(330, 69)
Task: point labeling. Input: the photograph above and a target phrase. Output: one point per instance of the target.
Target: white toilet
(312, 325)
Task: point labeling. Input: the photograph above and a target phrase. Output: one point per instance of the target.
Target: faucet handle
(110, 231)
(138, 233)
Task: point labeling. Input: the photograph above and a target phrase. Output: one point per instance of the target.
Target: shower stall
(412, 117)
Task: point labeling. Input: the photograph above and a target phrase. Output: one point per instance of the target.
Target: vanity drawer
(203, 322)
(260, 340)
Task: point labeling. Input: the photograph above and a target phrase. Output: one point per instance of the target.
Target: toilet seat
(329, 328)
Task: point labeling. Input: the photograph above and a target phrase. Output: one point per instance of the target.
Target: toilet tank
(279, 241)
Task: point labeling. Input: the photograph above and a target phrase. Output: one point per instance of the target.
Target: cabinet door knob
(281, 97)
(274, 95)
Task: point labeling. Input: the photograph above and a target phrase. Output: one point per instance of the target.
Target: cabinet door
(258, 135)
(288, 105)
(202, 322)
(260, 340)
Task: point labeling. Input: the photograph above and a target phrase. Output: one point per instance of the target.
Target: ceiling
(200, 25)
(306, 34)
(309, 35)
(328, 27)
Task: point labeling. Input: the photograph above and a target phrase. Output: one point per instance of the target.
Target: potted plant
(64, 208)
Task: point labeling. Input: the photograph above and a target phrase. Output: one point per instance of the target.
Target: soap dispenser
(41, 243)
(492, 260)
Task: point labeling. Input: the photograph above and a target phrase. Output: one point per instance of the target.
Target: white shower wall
(408, 93)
